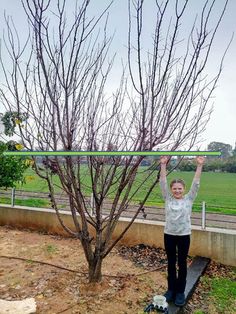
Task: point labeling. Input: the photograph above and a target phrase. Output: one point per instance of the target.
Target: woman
(178, 208)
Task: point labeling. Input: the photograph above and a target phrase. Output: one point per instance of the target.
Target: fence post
(13, 190)
(203, 215)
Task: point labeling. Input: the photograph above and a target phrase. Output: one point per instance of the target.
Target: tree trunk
(95, 270)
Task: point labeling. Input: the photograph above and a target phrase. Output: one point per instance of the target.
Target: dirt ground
(62, 291)
(53, 270)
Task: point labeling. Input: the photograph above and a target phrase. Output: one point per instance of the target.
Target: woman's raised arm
(163, 160)
(200, 161)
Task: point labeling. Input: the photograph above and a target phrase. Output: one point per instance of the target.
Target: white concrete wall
(217, 244)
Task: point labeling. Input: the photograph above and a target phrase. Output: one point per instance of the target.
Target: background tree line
(212, 164)
(225, 163)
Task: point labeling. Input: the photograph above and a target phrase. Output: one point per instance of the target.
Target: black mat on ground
(195, 271)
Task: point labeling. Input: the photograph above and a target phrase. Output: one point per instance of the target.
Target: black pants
(180, 245)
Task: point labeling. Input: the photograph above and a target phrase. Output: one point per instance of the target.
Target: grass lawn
(223, 294)
(220, 293)
(217, 189)
(30, 202)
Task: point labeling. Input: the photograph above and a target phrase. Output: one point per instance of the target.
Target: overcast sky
(222, 126)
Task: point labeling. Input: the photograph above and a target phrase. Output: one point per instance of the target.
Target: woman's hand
(164, 160)
(200, 160)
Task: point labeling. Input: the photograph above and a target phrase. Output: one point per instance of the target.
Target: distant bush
(187, 165)
(212, 164)
(230, 165)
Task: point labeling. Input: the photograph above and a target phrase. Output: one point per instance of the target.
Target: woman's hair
(177, 181)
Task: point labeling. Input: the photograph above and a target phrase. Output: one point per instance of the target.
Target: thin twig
(80, 272)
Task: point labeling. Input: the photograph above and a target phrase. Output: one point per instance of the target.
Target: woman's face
(177, 190)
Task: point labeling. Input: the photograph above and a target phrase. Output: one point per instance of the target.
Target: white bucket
(159, 300)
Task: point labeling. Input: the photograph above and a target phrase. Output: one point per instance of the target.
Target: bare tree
(58, 77)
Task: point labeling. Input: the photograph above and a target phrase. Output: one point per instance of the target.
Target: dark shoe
(169, 295)
(180, 299)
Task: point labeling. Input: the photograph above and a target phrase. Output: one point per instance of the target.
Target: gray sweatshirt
(178, 211)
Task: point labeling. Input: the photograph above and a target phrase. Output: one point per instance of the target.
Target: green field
(217, 189)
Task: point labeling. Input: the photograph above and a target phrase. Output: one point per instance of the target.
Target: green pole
(112, 153)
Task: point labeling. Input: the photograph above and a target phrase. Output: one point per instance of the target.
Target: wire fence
(203, 218)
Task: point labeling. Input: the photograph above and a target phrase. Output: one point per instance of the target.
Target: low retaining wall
(217, 244)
